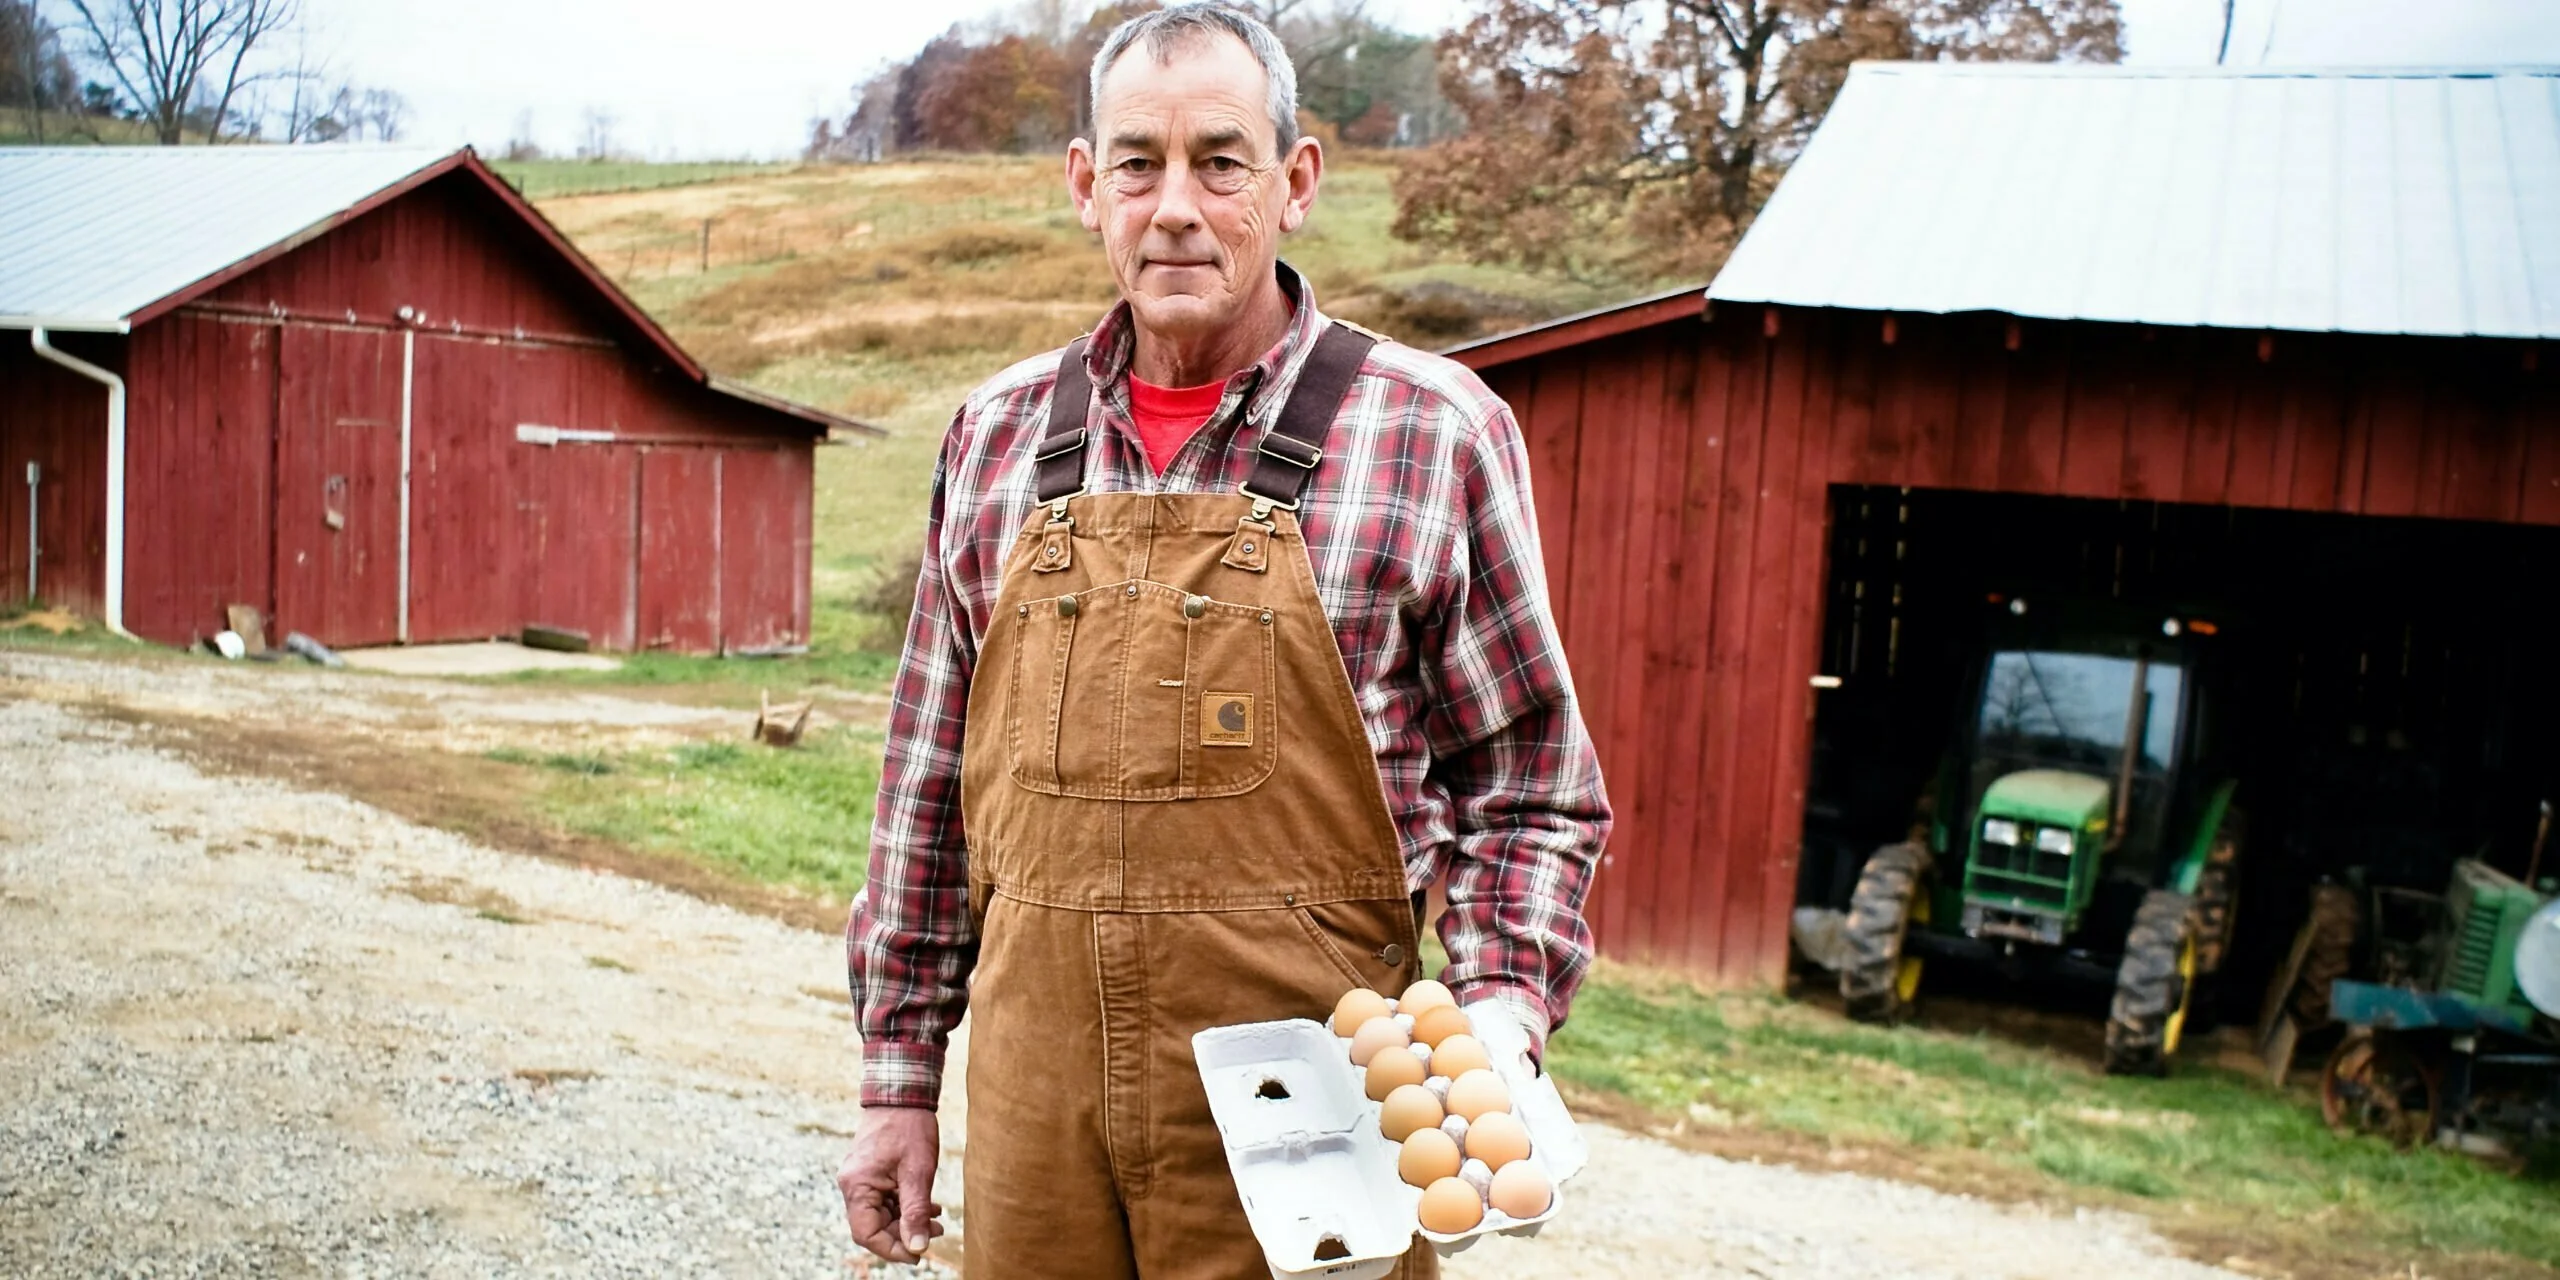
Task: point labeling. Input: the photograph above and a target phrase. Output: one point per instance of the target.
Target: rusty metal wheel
(2375, 1084)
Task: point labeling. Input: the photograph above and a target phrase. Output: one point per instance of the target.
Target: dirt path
(258, 1029)
(449, 715)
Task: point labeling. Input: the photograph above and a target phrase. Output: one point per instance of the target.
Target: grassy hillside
(887, 291)
(19, 128)
(545, 179)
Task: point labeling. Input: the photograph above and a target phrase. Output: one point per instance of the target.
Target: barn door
(338, 486)
(680, 550)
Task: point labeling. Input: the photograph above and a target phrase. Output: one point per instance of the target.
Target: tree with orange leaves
(1637, 137)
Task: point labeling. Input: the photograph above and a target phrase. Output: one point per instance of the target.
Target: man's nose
(1178, 199)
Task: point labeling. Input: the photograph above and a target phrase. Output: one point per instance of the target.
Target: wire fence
(760, 237)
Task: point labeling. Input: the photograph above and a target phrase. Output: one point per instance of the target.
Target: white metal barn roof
(90, 235)
(2380, 200)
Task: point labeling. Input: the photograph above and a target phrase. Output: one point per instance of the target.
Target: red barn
(2274, 341)
(373, 393)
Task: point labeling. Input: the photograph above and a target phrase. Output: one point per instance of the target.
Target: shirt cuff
(901, 1073)
(1524, 1006)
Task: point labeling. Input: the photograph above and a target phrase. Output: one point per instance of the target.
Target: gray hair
(1167, 31)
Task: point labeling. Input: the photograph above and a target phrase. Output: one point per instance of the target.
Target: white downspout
(408, 381)
(44, 348)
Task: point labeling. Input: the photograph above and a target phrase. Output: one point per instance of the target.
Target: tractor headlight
(2053, 840)
(2000, 831)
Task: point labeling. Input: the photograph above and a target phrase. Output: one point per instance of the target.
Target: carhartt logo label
(1226, 719)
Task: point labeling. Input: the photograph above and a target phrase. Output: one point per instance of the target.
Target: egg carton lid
(1305, 1151)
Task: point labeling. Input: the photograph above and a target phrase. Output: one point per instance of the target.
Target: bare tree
(520, 142)
(380, 114)
(1614, 135)
(596, 134)
(300, 81)
(34, 74)
(178, 57)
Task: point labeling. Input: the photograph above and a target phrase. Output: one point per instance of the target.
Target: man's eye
(1224, 164)
(1137, 164)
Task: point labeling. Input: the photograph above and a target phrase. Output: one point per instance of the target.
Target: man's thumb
(915, 1200)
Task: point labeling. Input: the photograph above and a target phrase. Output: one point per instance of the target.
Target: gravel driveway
(252, 1030)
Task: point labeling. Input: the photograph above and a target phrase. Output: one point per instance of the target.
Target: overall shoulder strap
(1289, 451)
(1292, 448)
(1059, 457)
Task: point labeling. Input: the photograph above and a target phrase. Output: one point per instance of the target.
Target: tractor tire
(2215, 907)
(2217, 895)
(2153, 985)
(2337, 916)
(1873, 983)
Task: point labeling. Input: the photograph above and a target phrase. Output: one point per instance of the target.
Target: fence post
(706, 246)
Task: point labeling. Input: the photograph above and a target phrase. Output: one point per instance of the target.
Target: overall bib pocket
(1171, 694)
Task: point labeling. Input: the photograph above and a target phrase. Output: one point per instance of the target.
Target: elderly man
(1232, 636)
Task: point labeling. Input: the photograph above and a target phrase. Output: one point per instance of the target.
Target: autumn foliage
(1635, 138)
(1018, 84)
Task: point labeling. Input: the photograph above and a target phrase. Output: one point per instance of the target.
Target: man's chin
(1182, 315)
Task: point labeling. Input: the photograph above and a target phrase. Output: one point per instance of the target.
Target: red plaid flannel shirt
(1426, 560)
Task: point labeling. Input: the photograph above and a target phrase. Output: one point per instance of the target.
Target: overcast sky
(744, 77)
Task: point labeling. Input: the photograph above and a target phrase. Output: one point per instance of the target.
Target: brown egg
(1497, 1138)
(1477, 1093)
(1389, 1070)
(1426, 1158)
(1355, 1008)
(1381, 1032)
(1449, 1207)
(1438, 1023)
(1422, 996)
(1521, 1189)
(1458, 1055)
(1408, 1107)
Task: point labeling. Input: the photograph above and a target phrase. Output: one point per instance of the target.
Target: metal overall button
(1066, 606)
(1391, 955)
(1194, 606)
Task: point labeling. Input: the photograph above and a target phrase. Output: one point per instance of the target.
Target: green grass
(544, 179)
(2204, 1144)
(838, 658)
(799, 817)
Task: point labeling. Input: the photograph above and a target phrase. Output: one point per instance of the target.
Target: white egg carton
(1315, 1173)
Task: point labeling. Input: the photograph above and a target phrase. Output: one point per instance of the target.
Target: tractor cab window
(2074, 712)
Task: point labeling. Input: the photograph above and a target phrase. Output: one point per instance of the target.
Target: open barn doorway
(2385, 699)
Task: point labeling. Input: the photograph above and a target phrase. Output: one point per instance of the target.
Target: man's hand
(888, 1182)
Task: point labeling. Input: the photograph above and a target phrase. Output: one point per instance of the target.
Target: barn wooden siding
(57, 420)
(1684, 468)
(264, 464)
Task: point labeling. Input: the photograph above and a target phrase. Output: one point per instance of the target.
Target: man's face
(1183, 180)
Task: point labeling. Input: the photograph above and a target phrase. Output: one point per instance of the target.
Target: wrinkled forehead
(1204, 89)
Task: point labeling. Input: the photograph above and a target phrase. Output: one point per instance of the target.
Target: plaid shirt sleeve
(912, 939)
(1509, 751)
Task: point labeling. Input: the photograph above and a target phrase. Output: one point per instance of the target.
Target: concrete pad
(482, 658)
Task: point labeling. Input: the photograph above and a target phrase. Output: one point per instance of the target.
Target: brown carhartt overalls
(1174, 822)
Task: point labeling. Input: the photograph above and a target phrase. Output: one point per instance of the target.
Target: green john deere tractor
(2081, 826)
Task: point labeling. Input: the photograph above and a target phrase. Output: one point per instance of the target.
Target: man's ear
(1303, 170)
(1080, 178)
